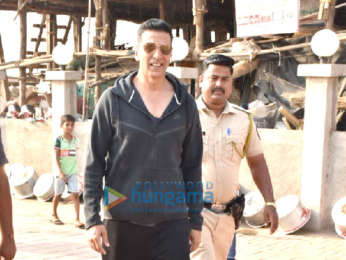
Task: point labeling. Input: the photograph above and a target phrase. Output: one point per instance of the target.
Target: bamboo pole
(5, 92)
(22, 54)
(97, 44)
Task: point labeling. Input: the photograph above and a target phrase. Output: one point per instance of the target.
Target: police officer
(229, 134)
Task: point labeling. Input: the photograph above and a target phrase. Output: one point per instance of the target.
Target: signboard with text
(266, 17)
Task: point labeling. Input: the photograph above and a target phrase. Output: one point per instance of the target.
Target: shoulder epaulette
(240, 108)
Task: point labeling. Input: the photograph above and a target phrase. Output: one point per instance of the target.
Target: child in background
(66, 162)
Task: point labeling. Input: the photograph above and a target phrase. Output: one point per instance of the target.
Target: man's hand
(97, 234)
(271, 216)
(195, 239)
(7, 249)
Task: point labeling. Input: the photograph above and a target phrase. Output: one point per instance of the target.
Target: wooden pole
(22, 54)
(5, 92)
(97, 44)
(86, 85)
(106, 26)
(112, 30)
(77, 33)
(162, 9)
(51, 38)
(199, 9)
(331, 15)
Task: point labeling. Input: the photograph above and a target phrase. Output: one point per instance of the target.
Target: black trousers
(164, 241)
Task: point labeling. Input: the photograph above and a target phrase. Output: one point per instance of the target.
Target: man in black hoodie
(146, 142)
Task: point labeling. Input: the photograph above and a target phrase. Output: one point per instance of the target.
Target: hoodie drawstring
(176, 99)
(133, 93)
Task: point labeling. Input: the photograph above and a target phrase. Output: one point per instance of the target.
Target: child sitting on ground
(67, 170)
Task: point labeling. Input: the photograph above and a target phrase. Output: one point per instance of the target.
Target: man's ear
(200, 78)
(136, 53)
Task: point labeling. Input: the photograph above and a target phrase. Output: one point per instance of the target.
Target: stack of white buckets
(292, 214)
(25, 183)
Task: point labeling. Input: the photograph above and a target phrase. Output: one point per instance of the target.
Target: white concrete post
(2, 75)
(319, 123)
(64, 97)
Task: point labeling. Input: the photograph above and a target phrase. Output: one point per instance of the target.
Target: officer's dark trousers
(164, 241)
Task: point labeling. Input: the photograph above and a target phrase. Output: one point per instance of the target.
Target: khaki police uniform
(224, 138)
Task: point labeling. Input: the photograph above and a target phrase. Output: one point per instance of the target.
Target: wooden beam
(5, 92)
(77, 33)
(244, 67)
(22, 53)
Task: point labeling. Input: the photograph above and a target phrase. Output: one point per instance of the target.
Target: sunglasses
(150, 47)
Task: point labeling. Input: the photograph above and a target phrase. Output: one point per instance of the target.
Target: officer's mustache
(218, 89)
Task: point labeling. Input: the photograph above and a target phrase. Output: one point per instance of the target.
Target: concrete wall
(283, 153)
(32, 143)
(337, 175)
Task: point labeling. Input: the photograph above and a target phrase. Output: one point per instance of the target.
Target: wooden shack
(196, 18)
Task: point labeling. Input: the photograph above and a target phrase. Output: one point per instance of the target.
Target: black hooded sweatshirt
(155, 163)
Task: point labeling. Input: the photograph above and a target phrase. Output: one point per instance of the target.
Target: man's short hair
(218, 59)
(154, 24)
(67, 118)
